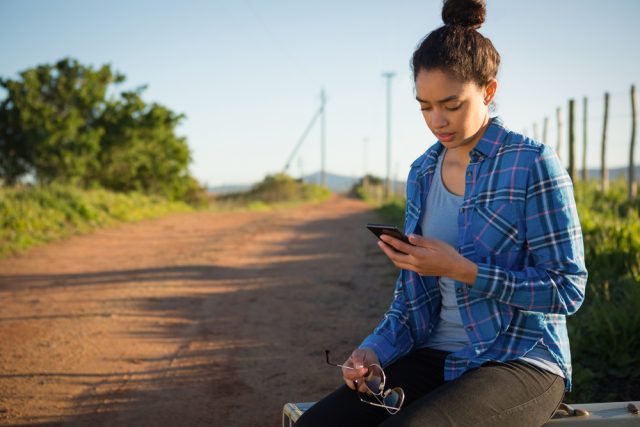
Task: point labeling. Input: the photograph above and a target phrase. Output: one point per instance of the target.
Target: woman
(476, 331)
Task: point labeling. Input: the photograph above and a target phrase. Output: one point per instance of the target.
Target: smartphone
(391, 230)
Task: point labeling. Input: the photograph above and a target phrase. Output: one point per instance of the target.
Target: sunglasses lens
(375, 379)
(394, 398)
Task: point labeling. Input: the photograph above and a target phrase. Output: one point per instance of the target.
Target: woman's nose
(438, 120)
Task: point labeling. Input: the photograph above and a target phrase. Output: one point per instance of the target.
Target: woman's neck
(460, 154)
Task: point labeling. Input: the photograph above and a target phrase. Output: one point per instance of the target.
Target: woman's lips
(445, 137)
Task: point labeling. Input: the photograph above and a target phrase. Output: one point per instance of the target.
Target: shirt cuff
(380, 346)
(486, 283)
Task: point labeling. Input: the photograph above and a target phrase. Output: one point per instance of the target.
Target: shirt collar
(492, 138)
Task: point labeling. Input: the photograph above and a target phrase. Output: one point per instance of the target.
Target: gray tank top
(439, 222)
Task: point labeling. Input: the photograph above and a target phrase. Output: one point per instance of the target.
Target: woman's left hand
(429, 257)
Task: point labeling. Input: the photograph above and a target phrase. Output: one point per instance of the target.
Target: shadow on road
(246, 334)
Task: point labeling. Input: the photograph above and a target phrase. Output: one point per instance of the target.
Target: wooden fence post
(572, 142)
(633, 185)
(544, 130)
(559, 120)
(604, 171)
(585, 171)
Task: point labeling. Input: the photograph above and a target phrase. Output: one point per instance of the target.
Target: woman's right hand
(359, 359)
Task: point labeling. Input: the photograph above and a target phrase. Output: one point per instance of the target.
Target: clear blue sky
(248, 73)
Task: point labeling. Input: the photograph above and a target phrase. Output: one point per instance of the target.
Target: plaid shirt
(519, 224)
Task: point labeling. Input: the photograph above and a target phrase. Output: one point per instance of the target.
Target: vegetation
(604, 337)
(371, 189)
(66, 123)
(30, 215)
(38, 214)
(605, 343)
(274, 190)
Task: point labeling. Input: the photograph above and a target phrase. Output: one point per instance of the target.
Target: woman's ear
(490, 91)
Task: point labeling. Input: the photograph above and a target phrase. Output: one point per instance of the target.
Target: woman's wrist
(464, 271)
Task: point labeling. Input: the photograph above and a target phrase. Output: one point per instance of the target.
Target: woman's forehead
(438, 86)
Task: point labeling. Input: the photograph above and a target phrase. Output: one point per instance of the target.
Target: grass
(33, 215)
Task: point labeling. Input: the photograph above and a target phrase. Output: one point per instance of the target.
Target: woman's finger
(362, 388)
(391, 252)
(350, 384)
(397, 244)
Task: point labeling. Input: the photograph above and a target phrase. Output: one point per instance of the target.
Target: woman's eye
(425, 108)
(453, 108)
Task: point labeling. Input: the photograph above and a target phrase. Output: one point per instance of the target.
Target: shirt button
(469, 328)
(469, 173)
(461, 210)
(459, 290)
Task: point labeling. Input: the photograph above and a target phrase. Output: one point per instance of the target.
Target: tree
(47, 121)
(140, 150)
(57, 124)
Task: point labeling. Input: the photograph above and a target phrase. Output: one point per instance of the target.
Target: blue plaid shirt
(519, 224)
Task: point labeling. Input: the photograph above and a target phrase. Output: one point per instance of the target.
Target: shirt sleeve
(555, 283)
(392, 338)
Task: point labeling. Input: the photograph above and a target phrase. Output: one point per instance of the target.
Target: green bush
(276, 189)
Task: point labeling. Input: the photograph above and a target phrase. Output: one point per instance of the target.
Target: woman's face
(456, 112)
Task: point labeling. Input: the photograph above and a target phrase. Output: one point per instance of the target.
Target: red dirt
(212, 318)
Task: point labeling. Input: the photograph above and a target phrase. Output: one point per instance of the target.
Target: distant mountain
(614, 173)
(341, 183)
(336, 183)
(231, 188)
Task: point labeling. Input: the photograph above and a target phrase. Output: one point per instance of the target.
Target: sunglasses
(390, 399)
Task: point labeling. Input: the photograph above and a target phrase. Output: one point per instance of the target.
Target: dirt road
(212, 318)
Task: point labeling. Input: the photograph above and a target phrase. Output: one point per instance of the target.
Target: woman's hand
(429, 257)
(359, 360)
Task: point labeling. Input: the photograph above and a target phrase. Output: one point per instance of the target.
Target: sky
(247, 74)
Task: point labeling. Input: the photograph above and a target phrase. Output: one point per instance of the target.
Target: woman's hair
(457, 48)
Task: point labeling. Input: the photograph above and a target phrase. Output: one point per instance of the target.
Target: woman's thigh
(497, 394)
(418, 373)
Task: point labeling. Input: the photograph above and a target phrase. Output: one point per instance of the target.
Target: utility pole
(323, 154)
(572, 142)
(633, 185)
(387, 187)
(365, 177)
(365, 142)
(559, 120)
(604, 172)
(585, 171)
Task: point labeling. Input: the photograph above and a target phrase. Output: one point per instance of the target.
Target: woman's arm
(392, 337)
(556, 281)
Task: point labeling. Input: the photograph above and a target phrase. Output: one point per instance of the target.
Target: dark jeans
(510, 393)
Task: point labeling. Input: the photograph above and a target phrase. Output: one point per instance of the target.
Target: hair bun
(465, 13)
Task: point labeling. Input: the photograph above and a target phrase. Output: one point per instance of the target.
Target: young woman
(476, 332)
